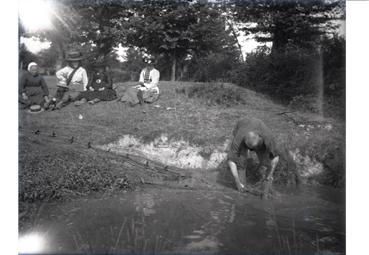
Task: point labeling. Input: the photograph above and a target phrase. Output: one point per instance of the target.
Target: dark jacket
(30, 81)
(100, 80)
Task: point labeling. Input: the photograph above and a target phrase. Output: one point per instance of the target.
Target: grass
(53, 167)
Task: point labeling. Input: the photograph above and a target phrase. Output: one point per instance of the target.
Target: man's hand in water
(233, 167)
(240, 187)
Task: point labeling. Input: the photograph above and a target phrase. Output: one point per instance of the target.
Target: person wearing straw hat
(100, 86)
(147, 90)
(71, 80)
(33, 89)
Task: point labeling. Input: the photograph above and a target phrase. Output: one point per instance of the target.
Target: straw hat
(74, 55)
(35, 109)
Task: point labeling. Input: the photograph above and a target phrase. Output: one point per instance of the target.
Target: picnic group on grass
(74, 85)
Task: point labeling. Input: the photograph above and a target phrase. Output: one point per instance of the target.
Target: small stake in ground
(89, 145)
(53, 134)
(71, 140)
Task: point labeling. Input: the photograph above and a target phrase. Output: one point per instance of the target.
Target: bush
(214, 94)
(307, 103)
(281, 75)
(213, 67)
(298, 76)
(121, 76)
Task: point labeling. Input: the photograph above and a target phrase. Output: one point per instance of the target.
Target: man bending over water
(251, 134)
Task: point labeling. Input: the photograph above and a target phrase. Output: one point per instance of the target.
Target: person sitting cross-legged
(33, 88)
(147, 90)
(99, 88)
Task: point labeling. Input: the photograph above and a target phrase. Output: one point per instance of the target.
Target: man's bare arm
(232, 165)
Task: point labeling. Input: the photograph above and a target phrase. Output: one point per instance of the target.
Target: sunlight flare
(35, 15)
(31, 243)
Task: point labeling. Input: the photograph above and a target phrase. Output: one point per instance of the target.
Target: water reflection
(183, 221)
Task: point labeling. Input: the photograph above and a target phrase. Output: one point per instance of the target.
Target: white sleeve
(142, 76)
(155, 76)
(84, 79)
(62, 74)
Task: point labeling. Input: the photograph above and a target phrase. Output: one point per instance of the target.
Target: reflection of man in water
(252, 134)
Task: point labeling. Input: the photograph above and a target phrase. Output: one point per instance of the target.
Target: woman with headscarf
(72, 80)
(33, 88)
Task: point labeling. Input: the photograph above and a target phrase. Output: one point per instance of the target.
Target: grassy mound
(53, 168)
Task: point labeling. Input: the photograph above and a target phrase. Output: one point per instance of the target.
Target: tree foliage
(173, 29)
(298, 22)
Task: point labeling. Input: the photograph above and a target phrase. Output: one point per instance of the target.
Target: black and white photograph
(181, 127)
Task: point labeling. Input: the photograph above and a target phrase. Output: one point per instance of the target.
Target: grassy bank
(56, 162)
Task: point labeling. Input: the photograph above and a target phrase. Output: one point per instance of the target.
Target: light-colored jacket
(154, 80)
(79, 80)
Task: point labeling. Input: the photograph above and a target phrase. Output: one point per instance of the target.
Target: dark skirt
(35, 96)
(105, 95)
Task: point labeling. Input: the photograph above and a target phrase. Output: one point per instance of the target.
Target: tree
(172, 29)
(25, 57)
(297, 22)
(82, 24)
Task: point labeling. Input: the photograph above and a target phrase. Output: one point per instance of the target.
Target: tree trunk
(59, 60)
(174, 64)
(234, 33)
(280, 39)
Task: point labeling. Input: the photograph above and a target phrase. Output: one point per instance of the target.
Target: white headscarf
(30, 65)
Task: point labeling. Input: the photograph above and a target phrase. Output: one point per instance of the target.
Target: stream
(158, 220)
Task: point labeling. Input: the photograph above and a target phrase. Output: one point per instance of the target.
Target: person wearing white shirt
(147, 90)
(71, 80)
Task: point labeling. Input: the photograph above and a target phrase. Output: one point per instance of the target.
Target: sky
(34, 45)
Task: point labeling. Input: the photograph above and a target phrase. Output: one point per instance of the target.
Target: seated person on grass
(99, 88)
(33, 88)
(72, 80)
(147, 90)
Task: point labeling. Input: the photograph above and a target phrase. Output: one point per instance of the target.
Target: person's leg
(140, 96)
(64, 100)
(269, 179)
(94, 101)
(150, 96)
(263, 162)
(80, 102)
